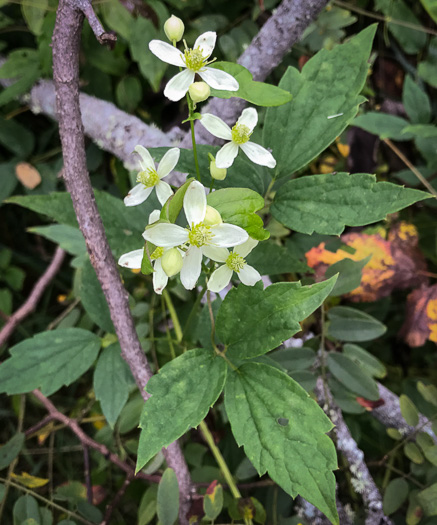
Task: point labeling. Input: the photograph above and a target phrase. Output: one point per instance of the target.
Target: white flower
(201, 237)
(195, 61)
(150, 177)
(234, 262)
(239, 137)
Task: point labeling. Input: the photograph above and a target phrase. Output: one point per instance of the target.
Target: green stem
(193, 137)
(167, 331)
(173, 315)
(193, 311)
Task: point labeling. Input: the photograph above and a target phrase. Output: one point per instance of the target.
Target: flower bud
(217, 173)
(172, 262)
(212, 217)
(174, 29)
(199, 91)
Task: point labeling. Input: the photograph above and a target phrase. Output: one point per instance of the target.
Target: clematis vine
(233, 262)
(202, 237)
(239, 137)
(151, 177)
(193, 61)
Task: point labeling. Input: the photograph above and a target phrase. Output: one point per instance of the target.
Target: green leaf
(16, 138)
(431, 7)
(327, 203)
(173, 206)
(365, 360)
(349, 275)
(270, 316)
(326, 96)
(395, 495)
(257, 93)
(428, 392)
(349, 324)
(8, 178)
(26, 508)
(10, 450)
(168, 498)
(425, 131)
(283, 432)
(182, 392)
(34, 13)
(384, 125)
(416, 102)
(48, 361)
(352, 376)
(294, 358)
(22, 85)
(69, 238)
(408, 410)
(238, 206)
(93, 299)
(270, 258)
(112, 382)
(117, 18)
(412, 451)
(147, 508)
(427, 69)
(213, 501)
(428, 500)
(129, 93)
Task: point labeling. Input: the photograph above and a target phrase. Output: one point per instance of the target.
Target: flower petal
(258, 154)
(249, 118)
(219, 279)
(167, 53)
(168, 162)
(216, 126)
(227, 235)
(163, 192)
(137, 195)
(178, 85)
(226, 156)
(132, 259)
(215, 253)
(160, 278)
(166, 235)
(218, 79)
(248, 275)
(195, 203)
(206, 42)
(154, 216)
(245, 248)
(146, 161)
(192, 267)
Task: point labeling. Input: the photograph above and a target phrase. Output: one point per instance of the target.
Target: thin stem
(173, 315)
(193, 136)
(323, 351)
(167, 331)
(193, 312)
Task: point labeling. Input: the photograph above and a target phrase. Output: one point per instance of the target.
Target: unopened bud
(199, 91)
(217, 173)
(212, 217)
(174, 29)
(172, 262)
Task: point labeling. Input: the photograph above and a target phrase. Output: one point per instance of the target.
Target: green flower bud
(174, 29)
(217, 173)
(199, 91)
(172, 262)
(212, 217)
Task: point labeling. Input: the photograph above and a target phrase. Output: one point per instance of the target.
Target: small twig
(104, 37)
(116, 500)
(34, 297)
(407, 163)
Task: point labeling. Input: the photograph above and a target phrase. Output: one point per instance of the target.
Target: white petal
(168, 162)
(160, 278)
(206, 42)
(245, 248)
(167, 53)
(137, 195)
(146, 161)
(192, 267)
(219, 279)
(218, 79)
(215, 253)
(227, 235)
(163, 192)
(226, 156)
(132, 259)
(154, 216)
(178, 85)
(166, 235)
(248, 275)
(258, 154)
(249, 118)
(195, 203)
(216, 126)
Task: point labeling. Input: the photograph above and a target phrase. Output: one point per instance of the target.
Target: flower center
(148, 177)
(240, 134)
(200, 234)
(194, 59)
(158, 252)
(235, 262)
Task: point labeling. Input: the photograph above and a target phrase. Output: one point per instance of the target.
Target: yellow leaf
(31, 482)
(344, 149)
(27, 175)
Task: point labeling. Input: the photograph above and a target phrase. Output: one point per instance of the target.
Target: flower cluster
(173, 249)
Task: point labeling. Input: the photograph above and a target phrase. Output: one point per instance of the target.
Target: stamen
(200, 234)
(240, 134)
(148, 177)
(194, 59)
(235, 262)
